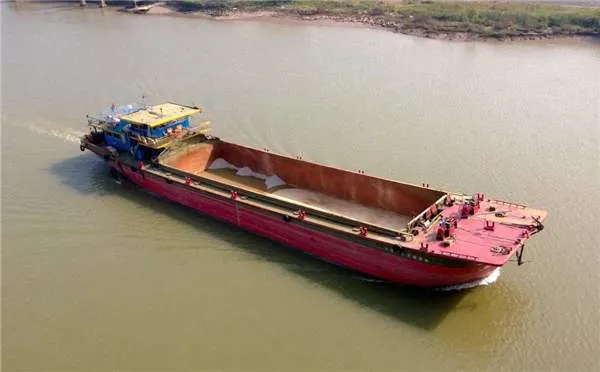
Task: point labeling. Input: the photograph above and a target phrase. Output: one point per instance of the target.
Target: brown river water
(102, 276)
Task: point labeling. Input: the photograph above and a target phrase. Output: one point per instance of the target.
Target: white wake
(66, 135)
(485, 281)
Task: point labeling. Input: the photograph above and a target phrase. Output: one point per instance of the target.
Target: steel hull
(318, 243)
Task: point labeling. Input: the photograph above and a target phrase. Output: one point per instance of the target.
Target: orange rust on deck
(193, 159)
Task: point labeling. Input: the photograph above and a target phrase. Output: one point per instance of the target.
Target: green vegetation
(429, 18)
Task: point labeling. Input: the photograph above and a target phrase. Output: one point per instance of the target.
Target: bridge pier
(102, 4)
(82, 3)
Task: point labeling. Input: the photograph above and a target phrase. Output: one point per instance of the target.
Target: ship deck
(473, 241)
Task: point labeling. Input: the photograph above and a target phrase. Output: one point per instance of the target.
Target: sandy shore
(165, 10)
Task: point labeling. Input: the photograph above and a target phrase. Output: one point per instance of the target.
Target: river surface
(97, 275)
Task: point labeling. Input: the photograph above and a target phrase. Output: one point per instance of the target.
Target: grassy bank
(425, 18)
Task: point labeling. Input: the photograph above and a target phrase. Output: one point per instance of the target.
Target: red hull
(339, 251)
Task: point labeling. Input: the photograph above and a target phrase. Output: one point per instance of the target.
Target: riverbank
(432, 19)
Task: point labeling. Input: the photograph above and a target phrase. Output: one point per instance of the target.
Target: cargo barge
(395, 231)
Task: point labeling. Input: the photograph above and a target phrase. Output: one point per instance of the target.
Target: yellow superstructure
(156, 115)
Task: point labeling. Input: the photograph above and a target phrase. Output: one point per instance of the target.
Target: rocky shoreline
(443, 20)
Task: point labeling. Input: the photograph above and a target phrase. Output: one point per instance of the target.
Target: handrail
(437, 203)
(162, 141)
(510, 204)
(459, 255)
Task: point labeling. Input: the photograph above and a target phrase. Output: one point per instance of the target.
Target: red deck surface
(473, 241)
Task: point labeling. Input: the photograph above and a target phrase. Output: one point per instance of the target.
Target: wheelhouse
(144, 131)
